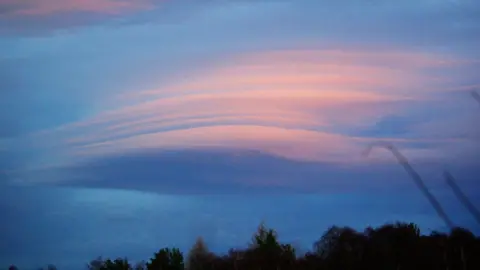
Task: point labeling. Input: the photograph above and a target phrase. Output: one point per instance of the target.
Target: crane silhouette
(416, 179)
(476, 96)
(461, 196)
(456, 189)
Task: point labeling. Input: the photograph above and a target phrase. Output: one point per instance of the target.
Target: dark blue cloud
(235, 172)
(217, 172)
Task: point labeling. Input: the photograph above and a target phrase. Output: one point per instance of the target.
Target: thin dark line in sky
(476, 96)
(416, 178)
(461, 196)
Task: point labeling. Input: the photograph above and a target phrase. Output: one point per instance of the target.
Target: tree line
(395, 246)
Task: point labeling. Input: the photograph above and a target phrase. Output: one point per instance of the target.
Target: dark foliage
(398, 246)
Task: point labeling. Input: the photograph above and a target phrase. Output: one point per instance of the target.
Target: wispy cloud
(48, 7)
(221, 97)
(40, 17)
(299, 97)
(295, 104)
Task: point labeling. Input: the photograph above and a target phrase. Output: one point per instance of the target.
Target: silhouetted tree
(462, 249)
(48, 267)
(108, 264)
(142, 265)
(117, 264)
(95, 264)
(341, 248)
(395, 246)
(166, 259)
(267, 253)
(199, 257)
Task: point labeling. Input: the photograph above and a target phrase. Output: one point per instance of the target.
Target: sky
(127, 126)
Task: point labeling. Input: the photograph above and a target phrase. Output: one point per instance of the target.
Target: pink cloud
(325, 69)
(287, 103)
(289, 143)
(386, 57)
(294, 144)
(391, 72)
(47, 7)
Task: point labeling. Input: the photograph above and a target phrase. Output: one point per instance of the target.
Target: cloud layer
(229, 78)
(316, 105)
(194, 101)
(297, 104)
(48, 7)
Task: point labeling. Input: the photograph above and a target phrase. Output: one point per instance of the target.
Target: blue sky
(207, 117)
